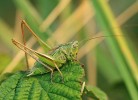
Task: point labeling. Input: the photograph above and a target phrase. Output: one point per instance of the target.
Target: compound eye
(75, 44)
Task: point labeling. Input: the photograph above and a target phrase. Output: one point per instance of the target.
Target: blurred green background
(111, 63)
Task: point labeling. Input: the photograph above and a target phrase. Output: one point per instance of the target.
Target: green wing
(47, 59)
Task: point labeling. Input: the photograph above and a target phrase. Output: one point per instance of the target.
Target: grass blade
(107, 22)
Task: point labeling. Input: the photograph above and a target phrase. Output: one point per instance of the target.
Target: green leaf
(4, 77)
(39, 87)
(95, 93)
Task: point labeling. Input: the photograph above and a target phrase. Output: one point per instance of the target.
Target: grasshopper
(49, 61)
(53, 59)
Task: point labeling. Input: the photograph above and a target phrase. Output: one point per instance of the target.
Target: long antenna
(85, 40)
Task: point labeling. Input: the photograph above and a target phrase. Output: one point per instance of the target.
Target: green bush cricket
(53, 59)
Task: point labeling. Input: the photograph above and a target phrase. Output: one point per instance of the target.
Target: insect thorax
(66, 51)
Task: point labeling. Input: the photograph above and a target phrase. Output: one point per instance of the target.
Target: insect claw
(51, 76)
(82, 65)
(62, 78)
(51, 80)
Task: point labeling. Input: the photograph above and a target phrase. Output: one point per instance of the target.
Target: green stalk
(107, 23)
(106, 65)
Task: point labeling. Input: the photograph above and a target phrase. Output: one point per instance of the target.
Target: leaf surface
(95, 93)
(39, 87)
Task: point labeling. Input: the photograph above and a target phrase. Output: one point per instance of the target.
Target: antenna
(85, 40)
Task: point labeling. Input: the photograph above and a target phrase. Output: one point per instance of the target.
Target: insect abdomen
(37, 69)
